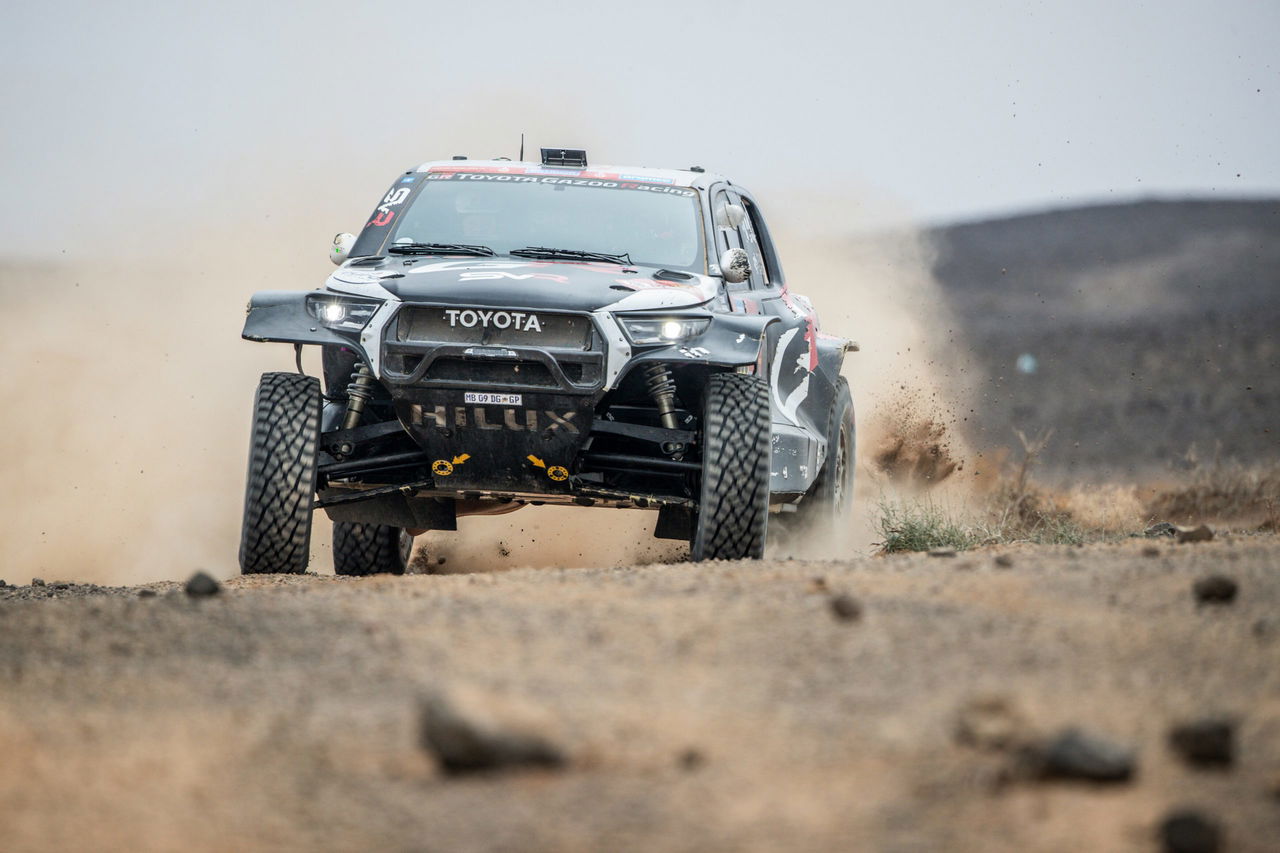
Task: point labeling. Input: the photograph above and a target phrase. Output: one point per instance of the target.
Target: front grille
(489, 327)
(489, 349)
(528, 374)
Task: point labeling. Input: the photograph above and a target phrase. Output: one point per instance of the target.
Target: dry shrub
(1109, 508)
(1222, 491)
(1025, 511)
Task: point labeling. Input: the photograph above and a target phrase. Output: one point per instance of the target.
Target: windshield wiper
(571, 254)
(439, 249)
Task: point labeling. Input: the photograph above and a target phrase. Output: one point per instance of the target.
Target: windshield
(653, 224)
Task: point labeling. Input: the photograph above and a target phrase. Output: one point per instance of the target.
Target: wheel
(733, 506)
(370, 549)
(275, 535)
(828, 502)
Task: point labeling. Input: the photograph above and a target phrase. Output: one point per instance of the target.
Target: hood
(519, 283)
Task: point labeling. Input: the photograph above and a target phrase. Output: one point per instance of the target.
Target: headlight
(663, 330)
(339, 312)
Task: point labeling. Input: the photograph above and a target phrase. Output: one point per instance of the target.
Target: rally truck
(503, 334)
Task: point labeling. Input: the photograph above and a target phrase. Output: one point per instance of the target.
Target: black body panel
(566, 287)
(531, 447)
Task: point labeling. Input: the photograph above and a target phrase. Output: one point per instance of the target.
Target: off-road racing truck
(510, 333)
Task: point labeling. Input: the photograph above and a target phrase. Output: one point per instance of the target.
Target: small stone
(1160, 528)
(61, 585)
(146, 593)
(1203, 533)
(846, 608)
(201, 585)
(440, 561)
(472, 740)
(1004, 561)
(1215, 589)
(1074, 754)
(1150, 551)
(37, 581)
(942, 552)
(2, 583)
(691, 759)
(1208, 742)
(1187, 831)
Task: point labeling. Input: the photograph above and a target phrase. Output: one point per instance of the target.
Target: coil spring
(657, 379)
(359, 390)
(361, 380)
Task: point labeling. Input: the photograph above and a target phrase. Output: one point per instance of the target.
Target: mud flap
(674, 522)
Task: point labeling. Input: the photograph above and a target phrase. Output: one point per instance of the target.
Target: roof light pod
(574, 158)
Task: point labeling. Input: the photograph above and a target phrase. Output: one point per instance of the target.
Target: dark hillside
(1143, 328)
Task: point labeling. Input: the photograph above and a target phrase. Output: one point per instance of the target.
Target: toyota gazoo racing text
(509, 333)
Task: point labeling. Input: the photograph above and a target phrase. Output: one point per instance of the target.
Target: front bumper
(507, 411)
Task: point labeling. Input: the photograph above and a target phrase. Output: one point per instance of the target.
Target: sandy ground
(713, 707)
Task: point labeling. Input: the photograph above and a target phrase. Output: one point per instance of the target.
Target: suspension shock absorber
(662, 388)
(359, 391)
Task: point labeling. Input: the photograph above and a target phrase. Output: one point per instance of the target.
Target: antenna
(522, 145)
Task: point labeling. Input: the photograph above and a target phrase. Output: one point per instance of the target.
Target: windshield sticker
(598, 180)
(384, 214)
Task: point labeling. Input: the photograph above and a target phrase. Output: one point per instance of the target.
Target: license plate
(485, 398)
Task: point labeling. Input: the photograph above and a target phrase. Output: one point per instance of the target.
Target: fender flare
(281, 316)
(730, 341)
(831, 351)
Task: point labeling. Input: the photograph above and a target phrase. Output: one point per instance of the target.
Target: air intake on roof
(573, 157)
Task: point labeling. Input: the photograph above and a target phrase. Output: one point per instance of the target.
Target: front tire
(826, 508)
(275, 534)
(370, 549)
(733, 508)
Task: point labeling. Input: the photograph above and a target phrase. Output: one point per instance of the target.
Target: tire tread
(733, 511)
(367, 549)
(281, 481)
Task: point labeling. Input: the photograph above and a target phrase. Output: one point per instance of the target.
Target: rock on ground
(1208, 742)
(1187, 831)
(469, 735)
(1075, 754)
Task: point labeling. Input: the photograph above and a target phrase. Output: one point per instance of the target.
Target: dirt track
(715, 707)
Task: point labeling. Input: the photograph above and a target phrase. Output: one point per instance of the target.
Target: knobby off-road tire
(733, 509)
(370, 549)
(826, 508)
(276, 533)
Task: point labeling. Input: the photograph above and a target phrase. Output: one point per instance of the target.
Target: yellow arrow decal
(536, 461)
(458, 460)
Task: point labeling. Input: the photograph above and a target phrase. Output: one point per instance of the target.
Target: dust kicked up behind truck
(504, 333)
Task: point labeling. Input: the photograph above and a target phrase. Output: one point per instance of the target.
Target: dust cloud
(869, 274)
(128, 388)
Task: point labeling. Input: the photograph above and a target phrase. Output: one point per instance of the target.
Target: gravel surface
(873, 704)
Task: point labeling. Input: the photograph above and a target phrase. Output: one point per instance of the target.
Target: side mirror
(735, 266)
(342, 244)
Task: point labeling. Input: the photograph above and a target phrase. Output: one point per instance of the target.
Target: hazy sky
(127, 120)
